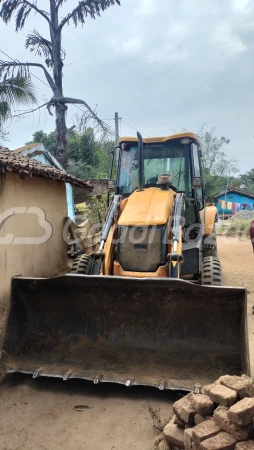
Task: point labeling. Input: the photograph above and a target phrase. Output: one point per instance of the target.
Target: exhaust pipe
(140, 162)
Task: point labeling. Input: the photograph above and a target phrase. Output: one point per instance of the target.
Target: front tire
(82, 265)
(211, 272)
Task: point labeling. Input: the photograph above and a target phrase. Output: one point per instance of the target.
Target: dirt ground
(39, 413)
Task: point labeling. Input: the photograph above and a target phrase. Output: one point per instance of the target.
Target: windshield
(172, 158)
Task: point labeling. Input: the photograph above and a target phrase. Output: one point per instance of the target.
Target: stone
(223, 395)
(247, 445)
(207, 389)
(200, 419)
(243, 412)
(222, 441)
(174, 435)
(179, 422)
(242, 385)
(202, 404)
(220, 417)
(204, 431)
(184, 410)
(251, 388)
(188, 441)
(163, 445)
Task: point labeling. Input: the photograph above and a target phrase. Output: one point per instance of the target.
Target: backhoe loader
(148, 307)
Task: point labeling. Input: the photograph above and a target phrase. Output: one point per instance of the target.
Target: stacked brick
(219, 417)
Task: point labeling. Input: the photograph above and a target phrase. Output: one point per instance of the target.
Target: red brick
(247, 445)
(200, 419)
(204, 431)
(174, 435)
(240, 433)
(242, 385)
(202, 404)
(223, 395)
(243, 412)
(184, 410)
(222, 441)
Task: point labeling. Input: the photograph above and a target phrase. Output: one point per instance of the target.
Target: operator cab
(168, 163)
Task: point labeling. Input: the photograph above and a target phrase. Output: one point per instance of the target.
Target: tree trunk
(61, 134)
(60, 109)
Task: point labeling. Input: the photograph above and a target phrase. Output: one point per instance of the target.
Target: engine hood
(152, 206)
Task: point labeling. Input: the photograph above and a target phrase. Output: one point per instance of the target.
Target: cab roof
(160, 139)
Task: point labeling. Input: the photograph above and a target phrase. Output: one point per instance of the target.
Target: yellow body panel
(160, 139)
(210, 214)
(152, 206)
(109, 250)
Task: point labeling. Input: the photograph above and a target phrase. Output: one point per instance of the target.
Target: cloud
(163, 65)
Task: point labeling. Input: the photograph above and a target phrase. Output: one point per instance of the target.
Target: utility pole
(116, 128)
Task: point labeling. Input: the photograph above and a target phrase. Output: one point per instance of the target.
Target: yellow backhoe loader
(148, 307)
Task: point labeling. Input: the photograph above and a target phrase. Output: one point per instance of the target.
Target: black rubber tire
(82, 265)
(211, 272)
(212, 238)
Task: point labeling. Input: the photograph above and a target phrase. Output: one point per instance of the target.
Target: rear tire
(82, 265)
(211, 272)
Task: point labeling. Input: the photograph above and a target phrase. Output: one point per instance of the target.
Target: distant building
(232, 201)
(40, 153)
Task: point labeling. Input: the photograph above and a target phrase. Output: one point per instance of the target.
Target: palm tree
(13, 92)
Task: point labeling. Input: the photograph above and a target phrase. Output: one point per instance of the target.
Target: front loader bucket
(167, 333)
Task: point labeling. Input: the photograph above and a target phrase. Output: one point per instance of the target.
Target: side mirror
(111, 185)
(196, 183)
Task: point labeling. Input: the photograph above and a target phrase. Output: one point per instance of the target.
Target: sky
(164, 65)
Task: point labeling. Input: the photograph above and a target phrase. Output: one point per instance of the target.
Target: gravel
(242, 215)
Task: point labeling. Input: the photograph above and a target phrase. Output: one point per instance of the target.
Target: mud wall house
(40, 153)
(32, 210)
(232, 201)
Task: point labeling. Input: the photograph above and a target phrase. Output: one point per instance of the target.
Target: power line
(35, 76)
(110, 130)
(112, 118)
(134, 128)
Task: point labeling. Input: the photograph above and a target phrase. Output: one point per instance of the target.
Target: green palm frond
(13, 92)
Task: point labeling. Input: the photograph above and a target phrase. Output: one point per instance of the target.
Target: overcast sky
(164, 65)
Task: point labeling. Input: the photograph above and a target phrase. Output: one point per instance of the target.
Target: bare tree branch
(30, 110)
(69, 100)
(18, 64)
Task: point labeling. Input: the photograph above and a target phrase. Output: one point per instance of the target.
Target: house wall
(42, 251)
(232, 198)
(39, 153)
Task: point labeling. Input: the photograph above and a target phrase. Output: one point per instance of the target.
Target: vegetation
(236, 228)
(14, 92)
(87, 156)
(90, 157)
(51, 50)
(219, 170)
